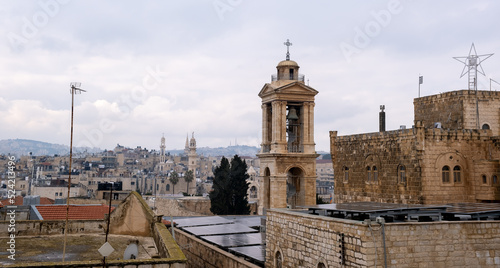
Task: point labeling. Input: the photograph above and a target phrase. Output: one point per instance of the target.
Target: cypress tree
(239, 186)
(230, 186)
(220, 189)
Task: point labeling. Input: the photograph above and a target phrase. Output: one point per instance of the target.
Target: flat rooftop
(79, 247)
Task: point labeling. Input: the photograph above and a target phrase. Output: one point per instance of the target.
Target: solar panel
(372, 210)
(254, 252)
(219, 229)
(473, 208)
(200, 221)
(236, 240)
(367, 207)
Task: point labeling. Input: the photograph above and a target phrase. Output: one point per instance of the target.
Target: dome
(287, 63)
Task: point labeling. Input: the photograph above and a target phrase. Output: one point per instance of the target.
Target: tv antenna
(74, 89)
(472, 65)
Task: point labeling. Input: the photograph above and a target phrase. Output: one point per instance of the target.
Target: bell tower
(288, 155)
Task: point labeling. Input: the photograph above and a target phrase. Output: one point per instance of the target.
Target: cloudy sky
(154, 68)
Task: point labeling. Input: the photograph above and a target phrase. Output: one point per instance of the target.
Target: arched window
(321, 265)
(485, 126)
(278, 260)
(168, 187)
(446, 174)
(375, 173)
(457, 174)
(346, 174)
(402, 174)
(368, 175)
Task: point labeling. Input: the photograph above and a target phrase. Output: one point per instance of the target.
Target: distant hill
(230, 151)
(24, 147)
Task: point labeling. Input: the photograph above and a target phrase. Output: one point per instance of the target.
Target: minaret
(186, 147)
(288, 155)
(162, 149)
(192, 156)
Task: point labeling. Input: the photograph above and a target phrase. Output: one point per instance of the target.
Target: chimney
(381, 119)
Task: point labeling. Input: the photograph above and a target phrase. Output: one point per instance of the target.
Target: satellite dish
(131, 252)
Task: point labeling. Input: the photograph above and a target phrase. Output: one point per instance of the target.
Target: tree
(174, 179)
(239, 185)
(219, 204)
(188, 177)
(230, 187)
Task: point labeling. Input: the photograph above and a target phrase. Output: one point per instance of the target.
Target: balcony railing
(295, 148)
(275, 77)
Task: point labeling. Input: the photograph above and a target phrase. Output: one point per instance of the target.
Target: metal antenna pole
(74, 89)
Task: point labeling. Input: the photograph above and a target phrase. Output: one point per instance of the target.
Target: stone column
(278, 191)
(265, 135)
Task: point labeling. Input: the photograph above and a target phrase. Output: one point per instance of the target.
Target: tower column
(308, 129)
(279, 127)
(278, 191)
(265, 147)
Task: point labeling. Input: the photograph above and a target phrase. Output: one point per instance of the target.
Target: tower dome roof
(287, 63)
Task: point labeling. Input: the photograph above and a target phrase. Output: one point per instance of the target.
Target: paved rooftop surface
(84, 247)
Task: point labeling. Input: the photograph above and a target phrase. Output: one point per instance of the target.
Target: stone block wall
(53, 227)
(457, 110)
(423, 152)
(474, 152)
(386, 151)
(305, 240)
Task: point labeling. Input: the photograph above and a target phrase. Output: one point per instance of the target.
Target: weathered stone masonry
(305, 240)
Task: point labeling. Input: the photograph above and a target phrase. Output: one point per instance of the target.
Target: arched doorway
(294, 187)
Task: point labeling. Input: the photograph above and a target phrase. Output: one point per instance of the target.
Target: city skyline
(197, 66)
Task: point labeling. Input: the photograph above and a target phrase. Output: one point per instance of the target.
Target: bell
(292, 114)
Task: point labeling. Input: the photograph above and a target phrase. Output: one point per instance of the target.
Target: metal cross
(287, 44)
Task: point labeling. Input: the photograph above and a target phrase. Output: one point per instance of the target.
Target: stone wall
(305, 240)
(203, 254)
(422, 153)
(457, 110)
(386, 151)
(475, 152)
(53, 227)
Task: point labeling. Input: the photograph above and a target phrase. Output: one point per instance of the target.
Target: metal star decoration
(471, 64)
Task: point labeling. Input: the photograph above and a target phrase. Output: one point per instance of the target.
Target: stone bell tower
(288, 155)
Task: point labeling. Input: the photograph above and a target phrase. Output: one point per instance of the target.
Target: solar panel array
(232, 233)
(371, 210)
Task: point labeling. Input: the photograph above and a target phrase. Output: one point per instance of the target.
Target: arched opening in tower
(294, 185)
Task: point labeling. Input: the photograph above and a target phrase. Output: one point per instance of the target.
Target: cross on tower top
(287, 44)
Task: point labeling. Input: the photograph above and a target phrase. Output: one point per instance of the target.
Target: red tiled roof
(76, 212)
(46, 201)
